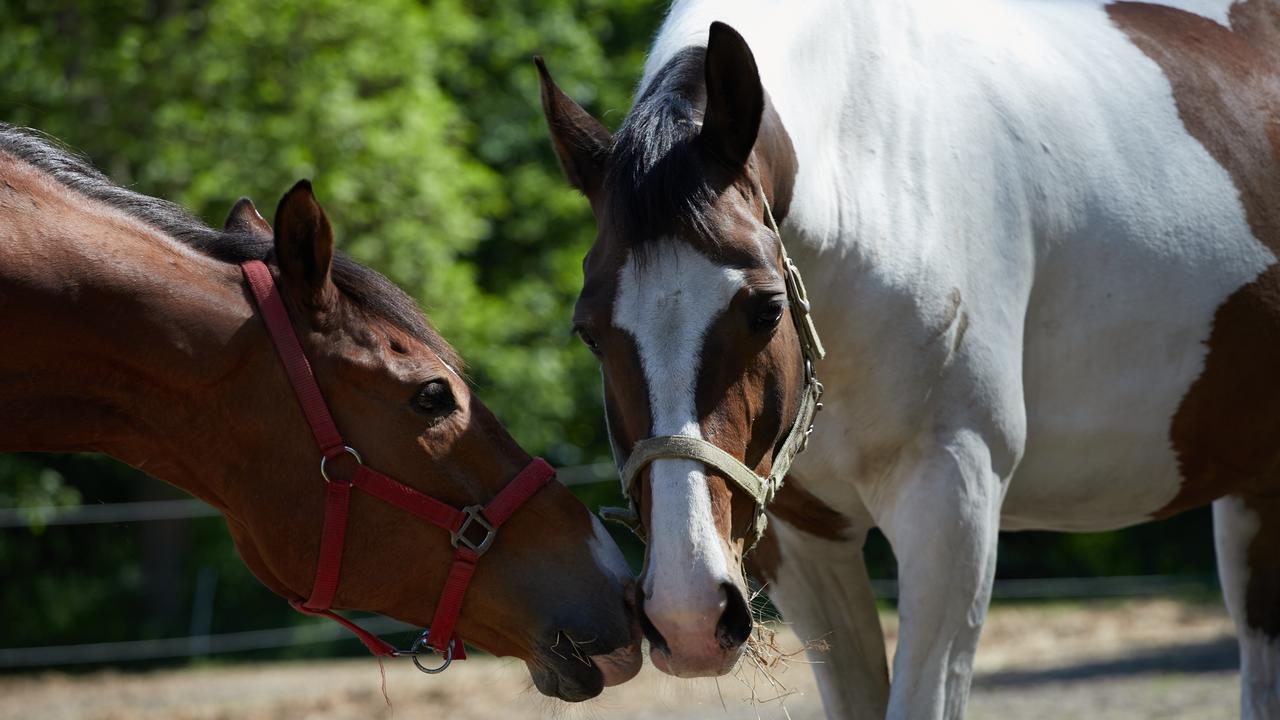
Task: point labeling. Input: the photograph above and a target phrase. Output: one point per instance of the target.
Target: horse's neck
(120, 337)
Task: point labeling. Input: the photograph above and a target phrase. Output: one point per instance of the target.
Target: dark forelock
(656, 182)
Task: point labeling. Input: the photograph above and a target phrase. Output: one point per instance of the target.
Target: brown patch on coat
(803, 511)
(1259, 24)
(1226, 85)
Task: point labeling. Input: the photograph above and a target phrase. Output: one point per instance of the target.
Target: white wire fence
(110, 653)
(198, 644)
(191, 508)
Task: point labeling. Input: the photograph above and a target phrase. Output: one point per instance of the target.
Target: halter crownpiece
(760, 489)
(472, 529)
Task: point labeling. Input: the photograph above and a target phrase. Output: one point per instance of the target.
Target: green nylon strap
(691, 448)
(797, 297)
(761, 490)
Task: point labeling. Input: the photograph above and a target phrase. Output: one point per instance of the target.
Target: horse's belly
(1098, 479)
(1112, 347)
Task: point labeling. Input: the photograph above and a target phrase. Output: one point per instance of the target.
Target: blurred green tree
(419, 124)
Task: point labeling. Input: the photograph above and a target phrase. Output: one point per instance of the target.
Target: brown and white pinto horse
(130, 330)
(1040, 239)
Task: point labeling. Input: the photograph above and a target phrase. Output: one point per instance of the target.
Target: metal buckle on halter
(420, 648)
(800, 295)
(346, 450)
(812, 385)
(474, 517)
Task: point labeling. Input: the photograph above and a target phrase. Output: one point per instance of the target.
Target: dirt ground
(1103, 660)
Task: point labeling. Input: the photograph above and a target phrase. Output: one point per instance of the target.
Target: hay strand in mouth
(575, 648)
(765, 659)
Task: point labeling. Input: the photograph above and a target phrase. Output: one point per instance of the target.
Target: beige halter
(761, 489)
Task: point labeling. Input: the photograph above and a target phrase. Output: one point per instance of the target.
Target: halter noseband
(471, 529)
(760, 489)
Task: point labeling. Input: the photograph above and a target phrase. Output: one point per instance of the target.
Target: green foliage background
(419, 123)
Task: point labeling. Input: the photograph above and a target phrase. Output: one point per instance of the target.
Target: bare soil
(1101, 660)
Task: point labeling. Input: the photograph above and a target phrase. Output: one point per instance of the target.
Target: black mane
(657, 181)
(365, 288)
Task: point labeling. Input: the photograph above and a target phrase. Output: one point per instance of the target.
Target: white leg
(821, 587)
(941, 514)
(1244, 530)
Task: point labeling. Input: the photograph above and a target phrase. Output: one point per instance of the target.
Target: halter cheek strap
(760, 489)
(472, 529)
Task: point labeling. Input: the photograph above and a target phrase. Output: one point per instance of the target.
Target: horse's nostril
(735, 622)
(650, 632)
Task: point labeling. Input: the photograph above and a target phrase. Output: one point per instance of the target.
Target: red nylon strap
(337, 499)
(271, 305)
(450, 605)
(376, 645)
(531, 479)
(407, 499)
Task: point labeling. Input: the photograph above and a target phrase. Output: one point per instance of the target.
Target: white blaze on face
(666, 303)
(607, 554)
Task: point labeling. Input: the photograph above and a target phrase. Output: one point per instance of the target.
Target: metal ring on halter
(346, 450)
(417, 650)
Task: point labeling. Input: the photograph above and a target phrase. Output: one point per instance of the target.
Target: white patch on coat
(666, 301)
(606, 552)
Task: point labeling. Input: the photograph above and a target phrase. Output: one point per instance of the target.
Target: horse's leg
(1247, 534)
(941, 514)
(821, 587)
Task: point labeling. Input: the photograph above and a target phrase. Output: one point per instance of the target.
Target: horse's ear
(581, 142)
(735, 98)
(244, 218)
(304, 247)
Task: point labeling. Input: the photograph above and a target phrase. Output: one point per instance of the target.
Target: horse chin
(574, 679)
(569, 682)
(620, 665)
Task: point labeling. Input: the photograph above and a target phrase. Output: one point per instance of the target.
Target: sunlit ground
(1130, 660)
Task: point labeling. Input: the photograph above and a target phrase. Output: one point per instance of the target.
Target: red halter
(472, 529)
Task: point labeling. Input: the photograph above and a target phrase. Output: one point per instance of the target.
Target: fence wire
(108, 653)
(196, 645)
(185, 509)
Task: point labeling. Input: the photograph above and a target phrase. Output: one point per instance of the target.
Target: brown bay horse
(130, 330)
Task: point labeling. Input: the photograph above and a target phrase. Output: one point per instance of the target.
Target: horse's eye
(588, 340)
(434, 399)
(768, 315)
